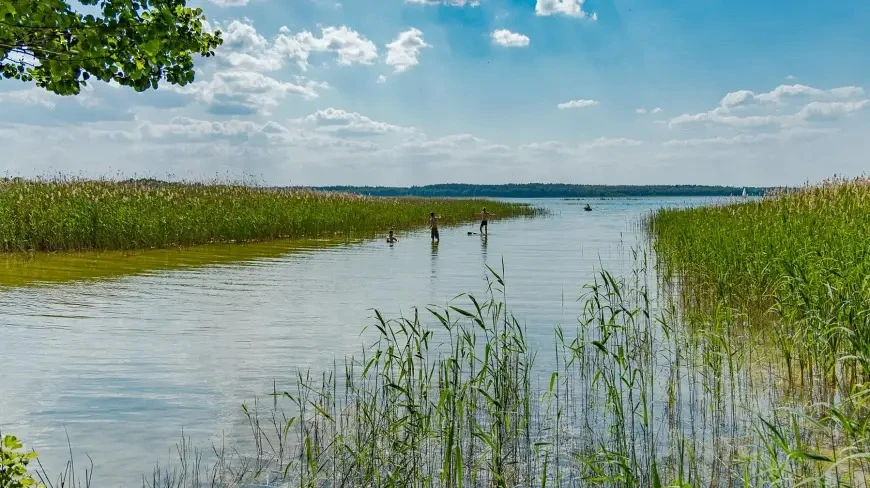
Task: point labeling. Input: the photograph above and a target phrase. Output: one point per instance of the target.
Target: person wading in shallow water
(484, 221)
(433, 227)
(391, 238)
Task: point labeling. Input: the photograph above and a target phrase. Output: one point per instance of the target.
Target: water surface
(124, 362)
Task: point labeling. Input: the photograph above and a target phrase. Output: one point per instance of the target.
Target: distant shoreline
(547, 190)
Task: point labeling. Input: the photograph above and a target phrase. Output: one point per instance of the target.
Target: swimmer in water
(391, 238)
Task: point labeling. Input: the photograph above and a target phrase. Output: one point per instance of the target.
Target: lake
(121, 363)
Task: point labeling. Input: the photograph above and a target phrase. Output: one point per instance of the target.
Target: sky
(412, 92)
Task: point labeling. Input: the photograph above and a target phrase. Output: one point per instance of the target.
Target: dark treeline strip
(547, 190)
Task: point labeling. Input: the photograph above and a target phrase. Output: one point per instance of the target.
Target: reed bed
(63, 215)
(730, 360)
(800, 259)
(451, 397)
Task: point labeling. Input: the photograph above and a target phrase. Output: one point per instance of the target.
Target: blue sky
(404, 92)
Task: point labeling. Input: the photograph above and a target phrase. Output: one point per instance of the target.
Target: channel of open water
(122, 352)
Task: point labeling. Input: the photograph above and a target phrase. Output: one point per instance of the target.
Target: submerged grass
(62, 215)
(26, 269)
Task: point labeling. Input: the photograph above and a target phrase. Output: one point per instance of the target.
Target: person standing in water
(391, 238)
(484, 221)
(433, 227)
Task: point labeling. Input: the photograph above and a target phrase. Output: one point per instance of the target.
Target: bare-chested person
(484, 221)
(433, 227)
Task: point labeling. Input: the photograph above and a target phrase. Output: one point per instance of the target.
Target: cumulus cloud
(382, 79)
(350, 46)
(577, 104)
(830, 110)
(30, 96)
(449, 3)
(189, 129)
(245, 48)
(230, 3)
(722, 117)
(247, 92)
(823, 104)
(402, 53)
(643, 111)
(611, 142)
(783, 93)
(571, 8)
(749, 139)
(345, 123)
(506, 38)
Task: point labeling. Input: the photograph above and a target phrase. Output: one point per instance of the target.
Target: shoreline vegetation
(736, 353)
(78, 215)
(549, 190)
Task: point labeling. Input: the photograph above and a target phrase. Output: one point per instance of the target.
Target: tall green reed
(62, 215)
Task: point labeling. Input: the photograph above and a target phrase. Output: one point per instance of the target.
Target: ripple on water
(141, 345)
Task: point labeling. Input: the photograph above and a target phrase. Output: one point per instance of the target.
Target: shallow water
(141, 346)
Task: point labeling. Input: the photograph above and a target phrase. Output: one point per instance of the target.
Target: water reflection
(434, 260)
(23, 269)
(483, 241)
(141, 356)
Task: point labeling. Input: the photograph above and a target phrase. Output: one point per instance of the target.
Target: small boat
(744, 193)
(587, 208)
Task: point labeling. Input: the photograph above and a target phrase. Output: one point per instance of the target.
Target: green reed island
(64, 215)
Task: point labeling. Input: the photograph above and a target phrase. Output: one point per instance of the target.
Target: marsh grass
(454, 396)
(799, 262)
(734, 359)
(63, 215)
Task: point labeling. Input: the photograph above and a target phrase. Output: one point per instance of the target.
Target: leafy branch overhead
(136, 43)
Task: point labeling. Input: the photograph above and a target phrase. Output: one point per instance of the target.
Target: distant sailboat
(744, 193)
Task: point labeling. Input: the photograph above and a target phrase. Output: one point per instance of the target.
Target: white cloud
(30, 96)
(349, 45)
(241, 34)
(782, 93)
(402, 53)
(845, 97)
(187, 129)
(577, 104)
(506, 38)
(245, 48)
(545, 147)
(749, 139)
(611, 142)
(230, 3)
(341, 122)
(830, 110)
(247, 92)
(656, 110)
(382, 79)
(642, 111)
(449, 3)
(721, 116)
(572, 8)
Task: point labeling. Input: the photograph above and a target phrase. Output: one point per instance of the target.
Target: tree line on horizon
(546, 190)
